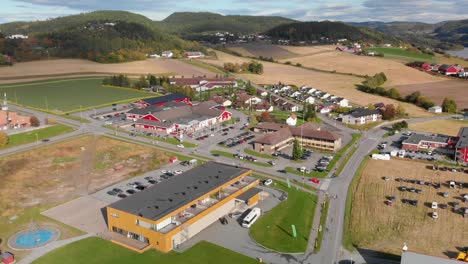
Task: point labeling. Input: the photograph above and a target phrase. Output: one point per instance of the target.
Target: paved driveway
(84, 213)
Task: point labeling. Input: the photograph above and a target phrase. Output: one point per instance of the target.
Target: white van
(251, 217)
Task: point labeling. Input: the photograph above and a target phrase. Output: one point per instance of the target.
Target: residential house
(426, 66)
(361, 116)
(221, 100)
(453, 69)
(310, 100)
(435, 109)
(264, 106)
(311, 91)
(291, 120)
(325, 108)
(203, 84)
(461, 148)
(342, 102)
(167, 54)
(325, 96)
(294, 94)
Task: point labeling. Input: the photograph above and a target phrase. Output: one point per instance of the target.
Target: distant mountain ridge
(104, 36)
(314, 31)
(191, 24)
(442, 35)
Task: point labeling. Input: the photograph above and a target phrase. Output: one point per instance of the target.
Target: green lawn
(258, 154)
(97, 251)
(28, 137)
(397, 52)
(69, 95)
(323, 222)
(274, 230)
(231, 156)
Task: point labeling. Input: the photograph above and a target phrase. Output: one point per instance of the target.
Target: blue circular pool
(34, 239)
(30, 239)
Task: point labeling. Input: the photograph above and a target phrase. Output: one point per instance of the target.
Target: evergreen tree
(297, 150)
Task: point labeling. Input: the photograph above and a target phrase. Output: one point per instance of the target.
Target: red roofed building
(453, 69)
(203, 84)
(193, 54)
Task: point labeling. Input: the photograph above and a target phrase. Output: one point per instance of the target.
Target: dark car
(122, 195)
(148, 178)
(112, 193)
(140, 187)
(117, 190)
(130, 191)
(152, 181)
(223, 220)
(45, 140)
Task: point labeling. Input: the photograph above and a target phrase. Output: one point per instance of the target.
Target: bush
(3, 139)
(34, 121)
(449, 105)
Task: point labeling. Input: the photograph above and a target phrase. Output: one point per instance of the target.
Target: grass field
(97, 251)
(401, 53)
(377, 226)
(274, 230)
(445, 127)
(43, 133)
(70, 95)
(258, 154)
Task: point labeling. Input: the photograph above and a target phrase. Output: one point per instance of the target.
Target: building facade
(169, 213)
(362, 116)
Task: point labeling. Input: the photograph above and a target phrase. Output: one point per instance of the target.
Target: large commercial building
(178, 117)
(171, 212)
(280, 136)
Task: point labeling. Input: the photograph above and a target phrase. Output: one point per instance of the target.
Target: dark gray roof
(360, 112)
(462, 138)
(248, 194)
(415, 258)
(164, 98)
(153, 109)
(416, 138)
(163, 198)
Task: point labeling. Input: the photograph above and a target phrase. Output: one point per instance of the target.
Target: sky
(429, 11)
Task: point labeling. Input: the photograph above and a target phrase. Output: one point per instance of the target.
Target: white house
(292, 120)
(17, 36)
(325, 96)
(285, 88)
(263, 93)
(167, 54)
(342, 102)
(435, 109)
(153, 56)
(362, 116)
(295, 94)
(311, 91)
(310, 100)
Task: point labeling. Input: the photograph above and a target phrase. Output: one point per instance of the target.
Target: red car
(314, 180)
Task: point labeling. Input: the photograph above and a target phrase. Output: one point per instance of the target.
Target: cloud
(85, 5)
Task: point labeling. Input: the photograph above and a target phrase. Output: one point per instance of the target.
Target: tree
(297, 150)
(394, 94)
(34, 121)
(389, 113)
(449, 105)
(309, 112)
(400, 111)
(142, 83)
(399, 126)
(413, 97)
(3, 139)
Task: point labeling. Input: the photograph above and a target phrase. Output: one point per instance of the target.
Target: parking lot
(232, 235)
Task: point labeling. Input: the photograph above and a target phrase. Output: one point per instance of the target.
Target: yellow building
(171, 212)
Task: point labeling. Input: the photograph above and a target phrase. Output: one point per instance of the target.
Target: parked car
(131, 191)
(112, 193)
(180, 146)
(435, 215)
(267, 182)
(434, 205)
(122, 195)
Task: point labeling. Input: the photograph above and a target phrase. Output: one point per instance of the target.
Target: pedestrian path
(316, 224)
(39, 252)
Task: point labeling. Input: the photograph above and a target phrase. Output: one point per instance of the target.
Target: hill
(193, 25)
(316, 31)
(103, 36)
(443, 35)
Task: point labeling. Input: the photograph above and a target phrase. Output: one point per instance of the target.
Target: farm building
(162, 100)
(170, 213)
(362, 116)
(461, 148)
(203, 84)
(453, 69)
(280, 136)
(12, 120)
(435, 109)
(426, 66)
(418, 142)
(194, 54)
(178, 118)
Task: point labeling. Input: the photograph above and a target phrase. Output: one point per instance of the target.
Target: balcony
(206, 203)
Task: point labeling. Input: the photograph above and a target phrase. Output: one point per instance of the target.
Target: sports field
(97, 251)
(62, 96)
(377, 226)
